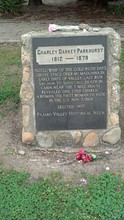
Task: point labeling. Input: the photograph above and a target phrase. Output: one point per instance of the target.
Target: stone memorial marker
(70, 88)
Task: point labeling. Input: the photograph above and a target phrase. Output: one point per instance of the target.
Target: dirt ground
(14, 154)
(81, 11)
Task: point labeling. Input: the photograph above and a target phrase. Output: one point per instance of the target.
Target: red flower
(86, 158)
(80, 154)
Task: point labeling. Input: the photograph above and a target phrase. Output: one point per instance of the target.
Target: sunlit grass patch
(10, 77)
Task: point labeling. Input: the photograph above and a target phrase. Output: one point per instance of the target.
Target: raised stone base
(91, 138)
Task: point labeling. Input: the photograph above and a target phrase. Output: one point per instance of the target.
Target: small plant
(116, 8)
(54, 198)
(10, 6)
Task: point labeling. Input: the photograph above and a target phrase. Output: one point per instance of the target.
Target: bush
(10, 6)
(116, 8)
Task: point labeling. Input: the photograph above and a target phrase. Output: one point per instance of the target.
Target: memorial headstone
(70, 88)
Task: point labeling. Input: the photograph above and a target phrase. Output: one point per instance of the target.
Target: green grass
(55, 199)
(10, 78)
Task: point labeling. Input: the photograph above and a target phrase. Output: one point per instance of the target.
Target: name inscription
(70, 54)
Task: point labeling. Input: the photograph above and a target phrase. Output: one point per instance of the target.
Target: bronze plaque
(70, 82)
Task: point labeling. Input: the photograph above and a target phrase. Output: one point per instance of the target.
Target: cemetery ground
(14, 154)
(69, 191)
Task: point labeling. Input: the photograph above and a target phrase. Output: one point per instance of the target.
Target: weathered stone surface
(115, 101)
(113, 136)
(21, 152)
(44, 140)
(25, 113)
(26, 74)
(64, 139)
(114, 118)
(116, 46)
(58, 2)
(27, 137)
(25, 57)
(77, 137)
(91, 140)
(26, 92)
(26, 42)
(115, 72)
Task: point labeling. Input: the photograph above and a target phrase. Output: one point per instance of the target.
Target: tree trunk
(98, 3)
(35, 2)
(102, 3)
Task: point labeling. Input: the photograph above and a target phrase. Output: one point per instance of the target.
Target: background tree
(35, 2)
(102, 3)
